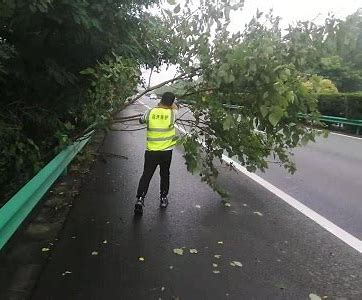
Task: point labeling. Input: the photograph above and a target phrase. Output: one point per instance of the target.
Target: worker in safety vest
(161, 138)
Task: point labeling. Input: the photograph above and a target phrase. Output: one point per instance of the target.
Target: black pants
(152, 160)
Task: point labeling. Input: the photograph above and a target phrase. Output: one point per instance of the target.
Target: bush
(348, 105)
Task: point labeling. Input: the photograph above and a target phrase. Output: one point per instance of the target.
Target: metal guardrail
(14, 212)
(340, 120)
(330, 119)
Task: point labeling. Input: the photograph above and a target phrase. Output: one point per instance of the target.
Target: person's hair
(168, 98)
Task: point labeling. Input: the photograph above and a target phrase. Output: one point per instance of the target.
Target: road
(328, 180)
(284, 255)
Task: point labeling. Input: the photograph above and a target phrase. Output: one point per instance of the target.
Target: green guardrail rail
(14, 212)
(329, 119)
(345, 121)
(340, 120)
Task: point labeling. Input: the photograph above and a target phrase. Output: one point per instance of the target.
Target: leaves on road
(197, 206)
(94, 253)
(216, 271)
(314, 297)
(227, 204)
(45, 249)
(236, 264)
(217, 256)
(178, 251)
(220, 242)
(193, 251)
(66, 273)
(258, 213)
(105, 242)
(214, 265)
(140, 258)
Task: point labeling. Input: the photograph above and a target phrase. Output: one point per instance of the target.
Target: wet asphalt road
(284, 255)
(328, 180)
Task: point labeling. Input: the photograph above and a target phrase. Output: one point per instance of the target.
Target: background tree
(332, 50)
(45, 100)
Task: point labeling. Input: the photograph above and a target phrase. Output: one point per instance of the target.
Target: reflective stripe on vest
(161, 133)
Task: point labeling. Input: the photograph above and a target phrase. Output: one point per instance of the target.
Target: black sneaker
(138, 207)
(163, 202)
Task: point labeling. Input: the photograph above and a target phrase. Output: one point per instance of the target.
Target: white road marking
(347, 136)
(311, 214)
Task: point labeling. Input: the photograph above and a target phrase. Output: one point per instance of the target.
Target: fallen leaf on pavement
(141, 258)
(217, 255)
(258, 213)
(178, 251)
(105, 242)
(170, 267)
(314, 297)
(194, 251)
(220, 242)
(45, 249)
(197, 206)
(216, 271)
(236, 264)
(227, 204)
(162, 289)
(214, 265)
(66, 273)
(94, 253)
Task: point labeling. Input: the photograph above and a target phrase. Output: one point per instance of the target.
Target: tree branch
(149, 79)
(181, 76)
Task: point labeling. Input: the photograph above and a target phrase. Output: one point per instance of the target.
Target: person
(161, 138)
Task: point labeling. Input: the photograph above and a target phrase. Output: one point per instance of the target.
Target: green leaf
(87, 71)
(228, 122)
(177, 9)
(290, 96)
(304, 140)
(276, 115)
(168, 13)
(269, 50)
(264, 110)
(227, 13)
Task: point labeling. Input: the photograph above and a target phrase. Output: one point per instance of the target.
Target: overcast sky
(289, 10)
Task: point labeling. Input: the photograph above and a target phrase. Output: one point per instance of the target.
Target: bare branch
(181, 76)
(149, 79)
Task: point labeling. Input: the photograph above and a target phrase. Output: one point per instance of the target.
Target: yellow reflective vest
(161, 133)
